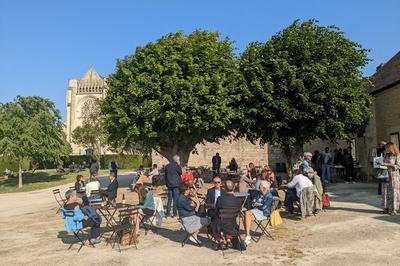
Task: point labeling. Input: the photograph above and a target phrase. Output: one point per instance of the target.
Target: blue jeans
(173, 193)
(326, 172)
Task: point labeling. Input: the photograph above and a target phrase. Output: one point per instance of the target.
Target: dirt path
(352, 232)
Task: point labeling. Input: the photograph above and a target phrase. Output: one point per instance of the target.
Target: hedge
(124, 161)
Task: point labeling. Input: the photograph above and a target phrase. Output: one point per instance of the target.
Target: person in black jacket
(228, 227)
(212, 195)
(216, 163)
(173, 180)
(112, 189)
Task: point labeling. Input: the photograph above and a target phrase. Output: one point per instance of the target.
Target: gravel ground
(351, 232)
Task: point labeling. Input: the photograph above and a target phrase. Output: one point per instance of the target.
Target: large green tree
(31, 127)
(304, 83)
(173, 94)
(91, 133)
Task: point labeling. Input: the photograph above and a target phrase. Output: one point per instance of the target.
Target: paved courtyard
(352, 232)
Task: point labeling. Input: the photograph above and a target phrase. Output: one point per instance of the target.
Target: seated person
(112, 189)
(233, 166)
(252, 171)
(146, 205)
(186, 209)
(212, 195)
(228, 201)
(245, 182)
(153, 172)
(79, 184)
(187, 175)
(294, 189)
(262, 205)
(93, 185)
(80, 220)
(80, 189)
(316, 180)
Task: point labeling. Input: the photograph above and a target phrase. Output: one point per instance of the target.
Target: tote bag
(276, 218)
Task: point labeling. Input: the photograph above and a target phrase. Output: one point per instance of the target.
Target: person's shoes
(95, 241)
(229, 244)
(347, 182)
(222, 245)
(195, 240)
(247, 240)
(353, 182)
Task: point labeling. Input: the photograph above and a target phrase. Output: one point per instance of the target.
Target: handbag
(325, 201)
(276, 218)
(202, 211)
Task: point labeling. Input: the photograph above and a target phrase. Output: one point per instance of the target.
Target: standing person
(326, 165)
(94, 169)
(216, 163)
(173, 180)
(391, 189)
(306, 163)
(348, 162)
(233, 166)
(113, 167)
(252, 171)
(316, 162)
(380, 152)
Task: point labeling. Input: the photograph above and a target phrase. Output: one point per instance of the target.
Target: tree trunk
(170, 152)
(20, 176)
(291, 154)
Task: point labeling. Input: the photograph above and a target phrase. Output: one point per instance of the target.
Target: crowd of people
(261, 184)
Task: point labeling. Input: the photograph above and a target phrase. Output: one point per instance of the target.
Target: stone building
(81, 100)
(384, 123)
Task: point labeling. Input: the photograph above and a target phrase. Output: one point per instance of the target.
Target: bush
(6, 163)
(124, 161)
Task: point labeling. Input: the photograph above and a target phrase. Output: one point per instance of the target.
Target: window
(394, 137)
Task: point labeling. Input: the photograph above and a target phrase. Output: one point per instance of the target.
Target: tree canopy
(173, 94)
(304, 83)
(91, 134)
(31, 127)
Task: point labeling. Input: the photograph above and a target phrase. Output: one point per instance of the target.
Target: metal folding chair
(147, 221)
(125, 225)
(79, 234)
(230, 215)
(59, 198)
(262, 225)
(188, 235)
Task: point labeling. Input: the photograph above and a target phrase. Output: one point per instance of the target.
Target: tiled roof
(387, 75)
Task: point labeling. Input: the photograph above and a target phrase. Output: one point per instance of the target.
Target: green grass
(41, 179)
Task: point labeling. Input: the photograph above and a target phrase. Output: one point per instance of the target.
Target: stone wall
(243, 151)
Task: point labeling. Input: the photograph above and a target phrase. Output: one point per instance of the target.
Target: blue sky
(45, 43)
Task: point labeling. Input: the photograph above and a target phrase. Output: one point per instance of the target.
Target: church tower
(81, 99)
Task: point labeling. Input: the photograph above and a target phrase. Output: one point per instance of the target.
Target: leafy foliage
(31, 127)
(91, 134)
(304, 83)
(173, 94)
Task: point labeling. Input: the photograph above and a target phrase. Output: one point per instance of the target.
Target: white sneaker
(247, 240)
(195, 240)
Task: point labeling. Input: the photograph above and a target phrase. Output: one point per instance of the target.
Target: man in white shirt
(295, 187)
